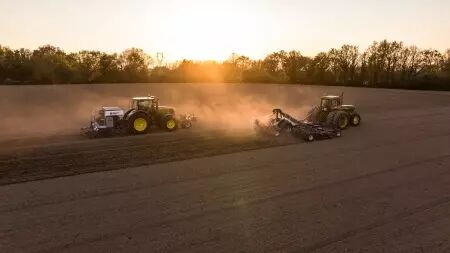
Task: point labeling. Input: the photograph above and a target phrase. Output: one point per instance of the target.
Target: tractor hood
(166, 109)
(348, 107)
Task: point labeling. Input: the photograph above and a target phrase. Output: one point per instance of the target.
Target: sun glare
(205, 31)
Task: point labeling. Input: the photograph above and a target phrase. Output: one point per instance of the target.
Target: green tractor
(332, 112)
(146, 112)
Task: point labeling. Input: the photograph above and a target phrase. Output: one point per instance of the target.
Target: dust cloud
(43, 110)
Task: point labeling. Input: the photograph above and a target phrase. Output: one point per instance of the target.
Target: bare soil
(381, 187)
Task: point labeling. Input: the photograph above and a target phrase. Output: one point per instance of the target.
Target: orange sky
(208, 29)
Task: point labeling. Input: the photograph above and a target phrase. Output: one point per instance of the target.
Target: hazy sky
(213, 29)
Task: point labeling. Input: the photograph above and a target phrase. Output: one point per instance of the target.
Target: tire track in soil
(68, 161)
(394, 218)
(315, 246)
(177, 181)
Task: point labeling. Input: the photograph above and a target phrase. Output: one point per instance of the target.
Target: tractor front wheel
(355, 119)
(169, 124)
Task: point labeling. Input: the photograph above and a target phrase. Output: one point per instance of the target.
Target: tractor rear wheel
(341, 120)
(355, 119)
(139, 123)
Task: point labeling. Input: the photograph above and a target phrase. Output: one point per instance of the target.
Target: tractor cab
(147, 104)
(330, 102)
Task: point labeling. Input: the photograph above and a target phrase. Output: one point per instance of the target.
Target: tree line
(389, 64)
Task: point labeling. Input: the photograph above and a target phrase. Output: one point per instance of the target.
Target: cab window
(143, 104)
(334, 103)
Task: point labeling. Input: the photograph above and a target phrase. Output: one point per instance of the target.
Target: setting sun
(204, 30)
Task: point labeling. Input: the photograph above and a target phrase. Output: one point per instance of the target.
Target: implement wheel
(309, 137)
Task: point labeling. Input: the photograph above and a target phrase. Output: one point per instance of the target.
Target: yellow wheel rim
(171, 124)
(140, 124)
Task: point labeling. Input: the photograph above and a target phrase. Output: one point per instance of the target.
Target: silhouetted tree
(88, 64)
(135, 65)
(318, 68)
(383, 64)
(273, 65)
(344, 63)
(15, 64)
(446, 63)
(108, 65)
(235, 66)
(51, 65)
(294, 64)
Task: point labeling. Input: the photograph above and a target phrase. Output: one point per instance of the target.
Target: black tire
(355, 119)
(136, 123)
(313, 115)
(128, 113)
(341, 120)
(169, 123)
(309, 137)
